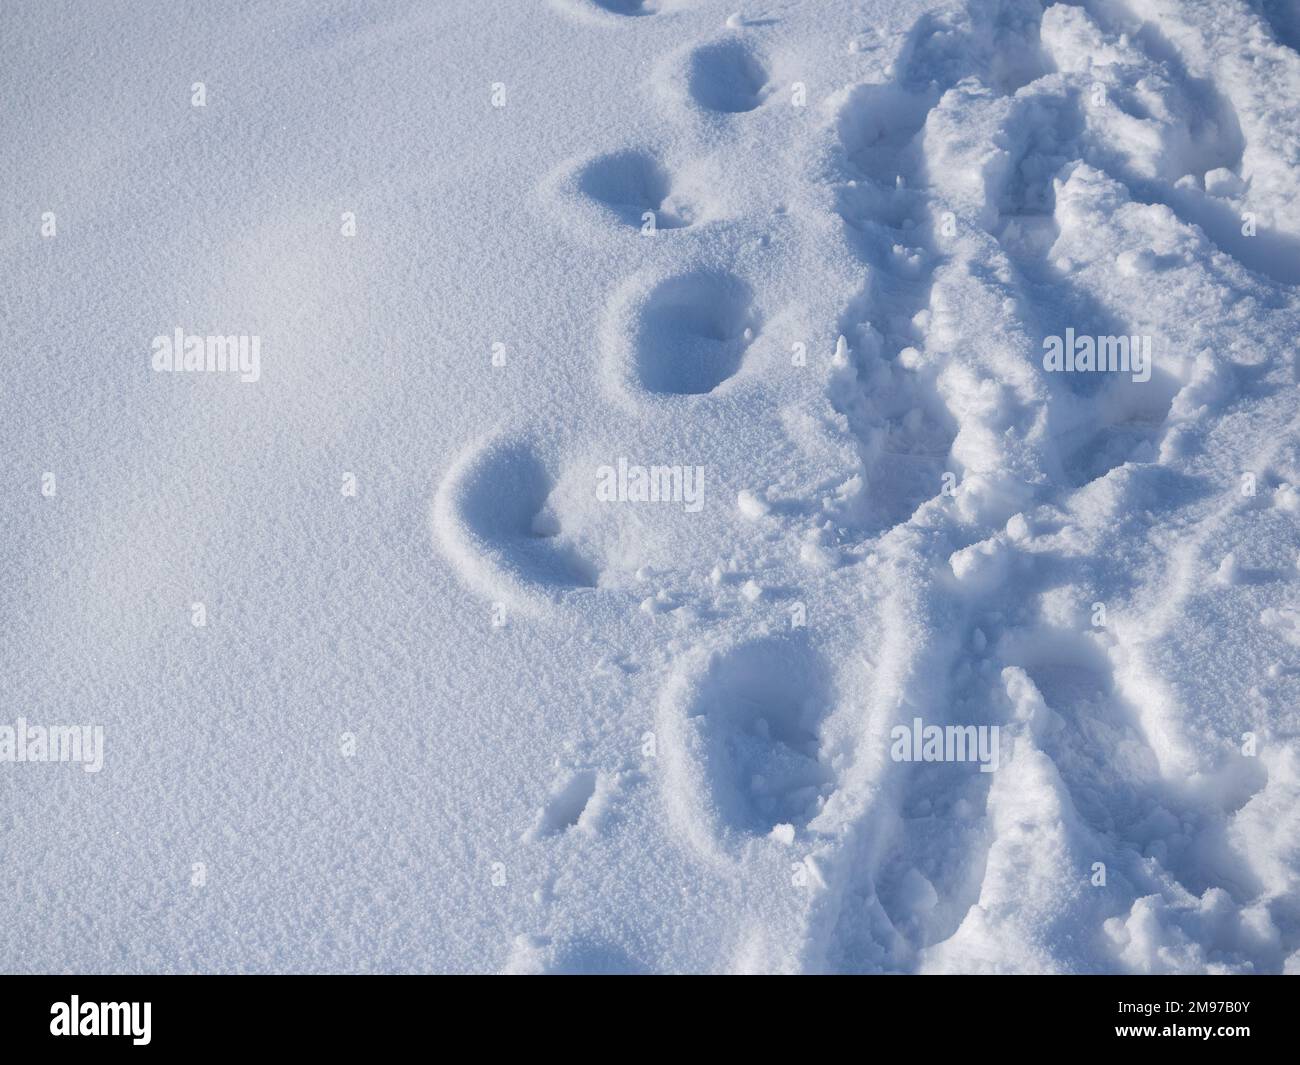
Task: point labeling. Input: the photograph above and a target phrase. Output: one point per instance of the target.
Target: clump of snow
(751, 505)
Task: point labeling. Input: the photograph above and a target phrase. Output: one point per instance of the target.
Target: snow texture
(661, 408)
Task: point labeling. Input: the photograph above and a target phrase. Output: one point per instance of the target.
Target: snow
(387, 684)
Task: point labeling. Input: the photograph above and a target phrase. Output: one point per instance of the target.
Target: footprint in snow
(727, 77)
(691, 333)
(742, 751)
(490, 518)
(576, 801)
(608, 10)
(627, 7)
(632, 184)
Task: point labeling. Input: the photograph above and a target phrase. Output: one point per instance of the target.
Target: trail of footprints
(744, 725)
(901, 427)
(682, 335)
(1092, 733)
(745, 745)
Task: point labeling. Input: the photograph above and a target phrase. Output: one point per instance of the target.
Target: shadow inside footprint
(626, 7)
(726, 77)
(693, 332)
(592, 956)
(629, 183)
(877, 127)
(503, 504)
(760, 709)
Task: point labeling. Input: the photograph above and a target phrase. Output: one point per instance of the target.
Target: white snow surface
(474, 716)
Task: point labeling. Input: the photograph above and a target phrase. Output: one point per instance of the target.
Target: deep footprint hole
(505, 503)
(693, 332)
(630, 183)
(727, 77)
(878, 126)
(626, 7)
(763, 705)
